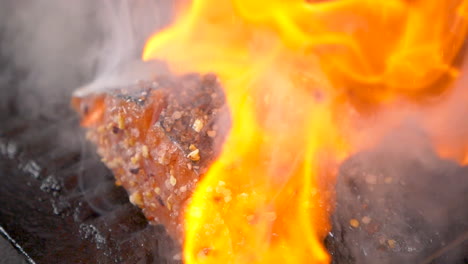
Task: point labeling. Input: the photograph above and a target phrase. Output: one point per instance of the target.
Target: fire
(294, 72)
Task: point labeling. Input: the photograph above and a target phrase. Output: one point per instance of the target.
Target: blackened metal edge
(5, 234)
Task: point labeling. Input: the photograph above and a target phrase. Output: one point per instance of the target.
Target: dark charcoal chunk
(400, 203)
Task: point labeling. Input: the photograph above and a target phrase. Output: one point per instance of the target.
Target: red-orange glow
(92, 112)
(292, 73)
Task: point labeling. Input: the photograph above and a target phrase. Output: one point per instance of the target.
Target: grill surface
(60, 204)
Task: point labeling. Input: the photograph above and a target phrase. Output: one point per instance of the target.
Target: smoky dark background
(58, 202)
(49, 48)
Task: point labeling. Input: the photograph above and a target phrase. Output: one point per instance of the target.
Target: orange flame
(292, 73)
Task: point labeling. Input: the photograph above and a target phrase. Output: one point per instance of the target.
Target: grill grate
(60, 204)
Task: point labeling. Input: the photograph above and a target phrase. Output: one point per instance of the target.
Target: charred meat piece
(158, 137)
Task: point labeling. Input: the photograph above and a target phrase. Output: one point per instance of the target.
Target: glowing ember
(294, 72)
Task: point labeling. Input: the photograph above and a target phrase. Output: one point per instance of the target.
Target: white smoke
(51, 47)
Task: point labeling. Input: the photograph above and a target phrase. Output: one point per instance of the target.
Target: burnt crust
(159, 138)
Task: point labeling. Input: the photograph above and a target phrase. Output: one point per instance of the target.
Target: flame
(293, 73)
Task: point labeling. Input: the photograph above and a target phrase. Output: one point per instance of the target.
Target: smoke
(400, 202)
(48, 49)
(51, 47)
(398, 199)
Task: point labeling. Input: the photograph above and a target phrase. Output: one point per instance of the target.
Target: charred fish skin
(158, 137)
